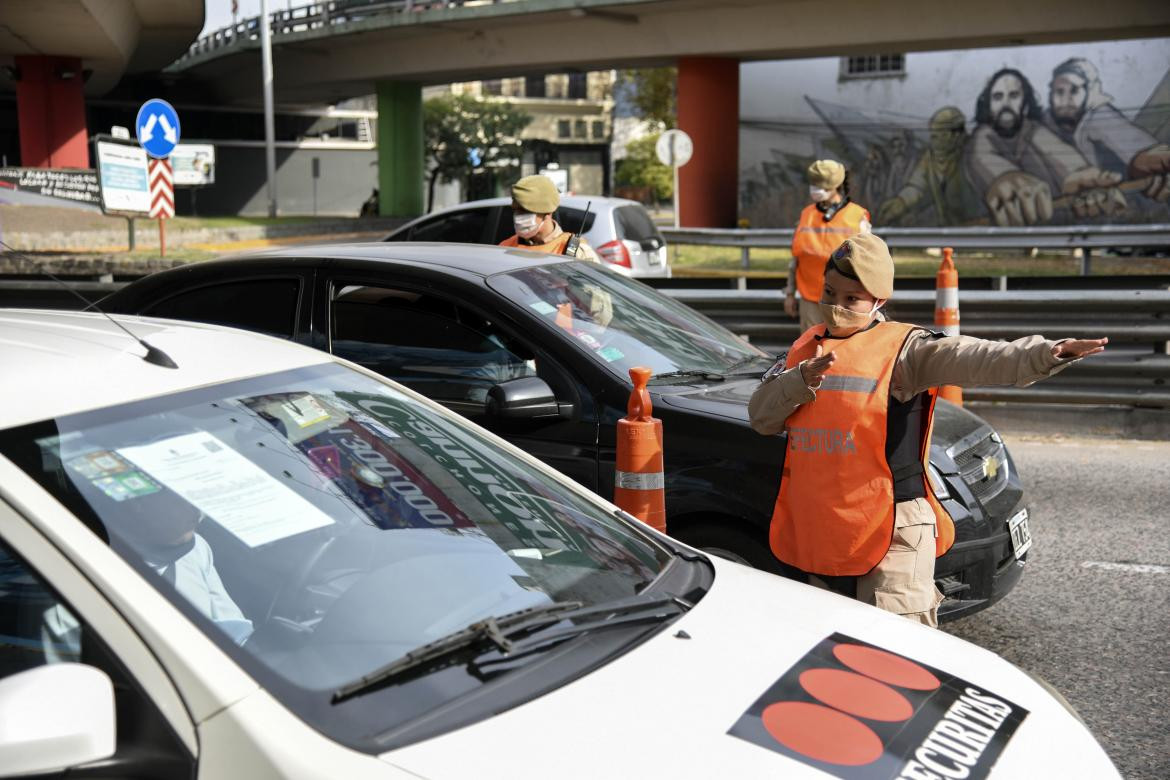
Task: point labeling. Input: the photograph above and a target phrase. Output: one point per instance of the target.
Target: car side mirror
(526, 398)
(54, 717)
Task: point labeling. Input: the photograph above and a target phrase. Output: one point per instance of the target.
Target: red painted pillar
(708, 111)
(50, 113)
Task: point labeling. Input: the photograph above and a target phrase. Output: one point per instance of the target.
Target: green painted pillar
(400, 149)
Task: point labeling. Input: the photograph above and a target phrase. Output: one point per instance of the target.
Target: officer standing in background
(534, 199)
(830, 219)
(856, 513)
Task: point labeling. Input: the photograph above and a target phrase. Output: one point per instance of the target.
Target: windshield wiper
(491, 630)
(498, 631)
(744, 362)
(692, 374)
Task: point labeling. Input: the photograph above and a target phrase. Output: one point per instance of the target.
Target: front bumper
(978, 573)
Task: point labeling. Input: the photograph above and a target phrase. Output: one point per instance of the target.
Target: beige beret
(866, 258)
(826, 173)
(537, 194)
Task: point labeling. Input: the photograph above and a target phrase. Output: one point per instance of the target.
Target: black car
(521, 343)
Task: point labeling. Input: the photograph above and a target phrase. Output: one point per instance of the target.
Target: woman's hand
(1078, 348)
(814, 369)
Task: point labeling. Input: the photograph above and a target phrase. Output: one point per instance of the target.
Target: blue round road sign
(157, 127)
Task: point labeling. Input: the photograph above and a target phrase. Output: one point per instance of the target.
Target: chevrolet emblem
(990, 467)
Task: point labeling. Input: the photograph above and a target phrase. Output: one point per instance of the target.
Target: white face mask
(527, 224)
(819, 195)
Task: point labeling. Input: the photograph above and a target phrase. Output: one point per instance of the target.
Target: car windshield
(319, 524)
(623, 323)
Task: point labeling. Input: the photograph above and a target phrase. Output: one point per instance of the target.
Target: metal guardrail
(314, 16)
(1134, 370)
(1083, 237)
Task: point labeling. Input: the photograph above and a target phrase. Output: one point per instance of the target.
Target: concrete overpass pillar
(400, 149)
(708, 111)
(50, 113)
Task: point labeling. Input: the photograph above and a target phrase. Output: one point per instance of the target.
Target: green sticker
(610, 354)
(138, 484)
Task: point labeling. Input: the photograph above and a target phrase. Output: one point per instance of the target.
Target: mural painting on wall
(1013, 162)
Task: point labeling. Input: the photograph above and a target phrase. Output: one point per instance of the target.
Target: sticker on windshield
(227, 487)
(543, 307)
(128, 485)
(100, 463)
(301, 414)
(891, 717)
(610, 354)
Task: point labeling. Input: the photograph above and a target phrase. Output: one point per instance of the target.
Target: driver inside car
(160, 529)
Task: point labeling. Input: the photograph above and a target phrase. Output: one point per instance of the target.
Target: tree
(462, 133)
(653, 93)
(642, 168)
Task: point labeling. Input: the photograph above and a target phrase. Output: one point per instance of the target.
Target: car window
(505, 228)
(622, 323)
(36, 627)
(463, 226)
(570, 219)
(262, 305)
(318, 524)
(635, 224)
(430, 344)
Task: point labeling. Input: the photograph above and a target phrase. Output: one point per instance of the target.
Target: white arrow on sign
(147, 130)
(168, 131)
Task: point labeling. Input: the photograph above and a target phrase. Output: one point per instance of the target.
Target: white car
(224, 555)
(622, 231)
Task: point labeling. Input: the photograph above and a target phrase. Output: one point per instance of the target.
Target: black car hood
(730, 399)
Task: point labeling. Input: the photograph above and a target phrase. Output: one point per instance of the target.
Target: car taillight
(615, 253)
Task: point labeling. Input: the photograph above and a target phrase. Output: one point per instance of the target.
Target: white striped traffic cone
(946, 312)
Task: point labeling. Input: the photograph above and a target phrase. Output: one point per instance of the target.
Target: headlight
(937, 483)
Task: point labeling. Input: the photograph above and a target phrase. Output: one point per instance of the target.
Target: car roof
(58, 363)
(476, 259)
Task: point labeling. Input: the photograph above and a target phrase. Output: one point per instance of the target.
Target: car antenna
(575, 239)
(154, 355)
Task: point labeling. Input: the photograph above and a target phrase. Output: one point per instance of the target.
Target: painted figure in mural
(1023, 169)
(1082, 114)
(936, 191)
(824, 225)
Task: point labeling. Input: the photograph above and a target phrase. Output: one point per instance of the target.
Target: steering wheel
(300, 578)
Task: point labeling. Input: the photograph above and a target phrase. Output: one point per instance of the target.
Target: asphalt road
(1091, 614)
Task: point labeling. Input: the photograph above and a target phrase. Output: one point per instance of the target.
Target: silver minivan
(622, 231)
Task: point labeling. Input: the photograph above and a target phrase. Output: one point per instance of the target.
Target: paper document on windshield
(227, 487)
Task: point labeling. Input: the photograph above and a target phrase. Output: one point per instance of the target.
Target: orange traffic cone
(639, 486)
(946, 312)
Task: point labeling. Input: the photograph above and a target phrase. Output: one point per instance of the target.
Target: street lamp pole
(269, 122)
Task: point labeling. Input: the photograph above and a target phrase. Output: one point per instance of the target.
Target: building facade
(571, 128)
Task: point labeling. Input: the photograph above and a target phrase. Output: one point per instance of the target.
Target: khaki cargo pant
(903, 582)
(810, 313)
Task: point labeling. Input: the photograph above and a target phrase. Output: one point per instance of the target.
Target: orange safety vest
(554, 247)
(815, 239)
(835, 511)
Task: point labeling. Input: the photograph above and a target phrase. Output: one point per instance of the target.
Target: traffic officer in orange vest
(830, 219)
(855, 512)
(534, 199)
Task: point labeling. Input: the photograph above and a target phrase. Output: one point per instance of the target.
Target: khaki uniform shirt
(924, 362)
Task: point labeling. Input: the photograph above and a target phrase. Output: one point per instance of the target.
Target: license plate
(655, 257)
(1021, 536)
